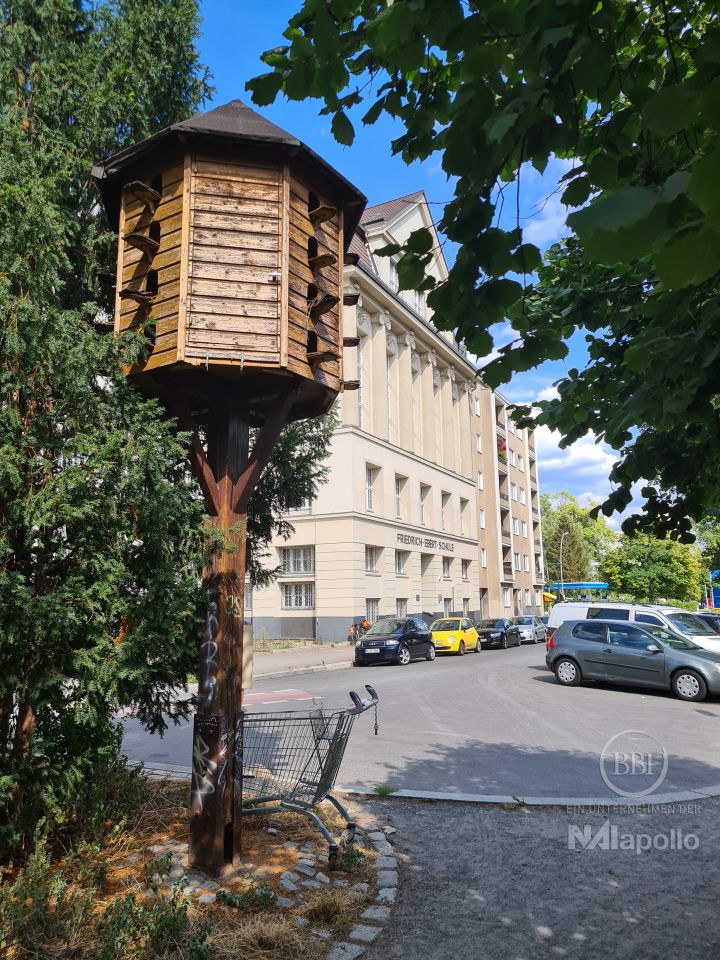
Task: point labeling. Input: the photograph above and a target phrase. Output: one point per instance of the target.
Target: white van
(672, 618)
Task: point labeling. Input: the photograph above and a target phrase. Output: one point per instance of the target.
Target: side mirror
(652, 648)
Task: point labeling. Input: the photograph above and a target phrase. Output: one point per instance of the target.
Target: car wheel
(537, 639)
(567, 672)
(688, 685)
(461, 649)
(403, 656)
(504, 644)
(478, 646)
(431, 652)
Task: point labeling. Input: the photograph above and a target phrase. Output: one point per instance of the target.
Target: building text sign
(428, 542)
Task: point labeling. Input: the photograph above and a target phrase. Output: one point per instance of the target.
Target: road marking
(276, 696)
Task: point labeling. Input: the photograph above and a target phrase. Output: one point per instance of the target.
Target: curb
(700, 793)
(320, 668)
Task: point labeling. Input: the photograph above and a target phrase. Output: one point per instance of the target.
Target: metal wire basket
(291, 760)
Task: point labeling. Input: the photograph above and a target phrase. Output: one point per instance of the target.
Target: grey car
(532, 629)
(619, 652)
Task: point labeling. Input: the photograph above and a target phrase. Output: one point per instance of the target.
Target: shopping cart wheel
(348, 835)
(334, 857)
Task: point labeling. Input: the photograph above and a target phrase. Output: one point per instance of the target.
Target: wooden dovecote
(232, 235)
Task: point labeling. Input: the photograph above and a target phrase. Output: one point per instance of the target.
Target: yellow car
(455, 635)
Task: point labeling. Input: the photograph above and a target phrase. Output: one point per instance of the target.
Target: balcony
(536, 512)
(500, 430)
(508, 571)
(533, 485)
(504, 497)
(538, 544)
(505, 538)
(502, 466)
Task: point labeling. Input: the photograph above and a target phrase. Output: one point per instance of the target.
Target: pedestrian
(353, 633)
(364, 626)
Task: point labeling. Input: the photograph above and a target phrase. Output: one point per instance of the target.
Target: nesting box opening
(151, 283)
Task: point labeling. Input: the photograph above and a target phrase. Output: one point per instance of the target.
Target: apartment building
(432, 502)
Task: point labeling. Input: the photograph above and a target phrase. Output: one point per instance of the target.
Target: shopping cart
(291, 760)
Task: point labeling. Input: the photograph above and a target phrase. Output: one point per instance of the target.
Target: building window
(481, 517)
(401, 607)
(370, 475)
(478, 443)
(424, 491)
(371, 556)
(513, 491)
(466, 606)
(447, 606)
(393, 275)
(399, 484)
(419, 302)
(506, 597)
(463, 514)
(538, 598)
(400, 559)
(480, 480)
(510, 425)
(511, 457)
(483, 557)
(528, 598)
(297, 596)
(444, 510)
(524, 528)
(304, 505)
(516, 557)
(526, 563)
(522, 494)
(372, 608)
(298, 559)
(515, 526)
(446, 567)
(477, 406)
(465, 569)
(521, 462)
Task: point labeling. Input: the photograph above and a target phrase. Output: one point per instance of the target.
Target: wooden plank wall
(234, 277)
(137, 217)
(328, 327)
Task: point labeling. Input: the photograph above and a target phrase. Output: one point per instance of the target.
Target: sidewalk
(302, 660)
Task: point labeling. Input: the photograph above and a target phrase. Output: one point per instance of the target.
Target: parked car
(532, 629)
(395, 640)
(674, 619)
(711, 619)
(643, 655)
(455, 635)
(498, 633)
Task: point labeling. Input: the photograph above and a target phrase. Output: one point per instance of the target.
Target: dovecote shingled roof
(231, 122)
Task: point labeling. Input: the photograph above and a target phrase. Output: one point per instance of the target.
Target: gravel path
(484, 883)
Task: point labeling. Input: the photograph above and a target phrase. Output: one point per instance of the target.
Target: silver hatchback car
(620, 652)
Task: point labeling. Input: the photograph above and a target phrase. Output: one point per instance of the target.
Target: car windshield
(524, 621)
(689, 623)
(669, 639)
(490, 623)
(441, 625)
(385, 626)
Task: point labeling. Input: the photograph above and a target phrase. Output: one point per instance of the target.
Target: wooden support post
(228, 475)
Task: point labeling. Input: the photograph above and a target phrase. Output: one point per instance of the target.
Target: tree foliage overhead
(648, 568)
(630, 93)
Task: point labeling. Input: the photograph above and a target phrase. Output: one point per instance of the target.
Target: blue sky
(233, 36)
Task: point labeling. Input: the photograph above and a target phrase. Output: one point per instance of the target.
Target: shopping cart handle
(362, 705)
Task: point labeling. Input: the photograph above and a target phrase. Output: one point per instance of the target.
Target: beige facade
(413, 518)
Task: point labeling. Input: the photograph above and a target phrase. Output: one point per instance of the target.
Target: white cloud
(548, 224)
(548, 393)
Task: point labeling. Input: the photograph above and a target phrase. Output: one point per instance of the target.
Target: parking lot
(493, 723)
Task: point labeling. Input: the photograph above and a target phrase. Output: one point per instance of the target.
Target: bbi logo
(633, 764)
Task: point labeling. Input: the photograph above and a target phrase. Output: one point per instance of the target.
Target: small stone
(287, 886)
(192, 884)
(305, 870)
(209, 885)
(387, 878)
(177, 872)
(310, 845)
(378, 914)
(377, 836)
(158, 848)
(346, 951)
(133, 858)
(386, 863)
(272, 831)
(387, 895)
(301, 921)
(192, 877)
(263, 872)
(389, 831)
(364, 933)
(384, 848)
(310, 884)
(284, 902)
(290, 845)
(289, 875)
(206, 898)
(361, 887)
(321, 878)
(320, 933)
(178, 858)
(340, 883)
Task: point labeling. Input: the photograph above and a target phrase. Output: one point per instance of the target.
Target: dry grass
(337, 909)
(266, 937)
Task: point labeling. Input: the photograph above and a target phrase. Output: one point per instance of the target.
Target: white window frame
(477, 406)
(370, 477)
(511, 456)
(371, 558)
(478, 443)
(516, 526)
(464, 569)
(522, 495)
(483, 557)
(521, 462)
(481, 518)
(524, 528)
(466, 606)
(297, 559)
(507, 600)
(401, 607)
(372, 608)
(400, 561)
(513, 491)
(526, 563)
(480, 480)
(297, 596)
(424, 491)
(394, 283)
(399, 483)
(516, 560)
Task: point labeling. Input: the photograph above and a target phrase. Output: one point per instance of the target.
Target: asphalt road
(494, 723)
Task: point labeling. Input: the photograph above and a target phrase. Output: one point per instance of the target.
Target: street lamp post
(562, 582)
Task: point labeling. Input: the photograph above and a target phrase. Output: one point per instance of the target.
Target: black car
(395, 640)
(498, 633)
(711, 619)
